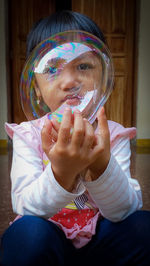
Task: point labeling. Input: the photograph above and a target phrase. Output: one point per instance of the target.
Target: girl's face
(63, 82)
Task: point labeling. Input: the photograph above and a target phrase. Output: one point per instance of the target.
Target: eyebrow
(55, 61)
(51, 62)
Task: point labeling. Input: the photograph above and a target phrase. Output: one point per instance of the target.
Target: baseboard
(143, 146)
(3, 147)
(143, 143)
(3, 143)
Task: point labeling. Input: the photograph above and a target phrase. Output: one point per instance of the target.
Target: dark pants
(34, 241)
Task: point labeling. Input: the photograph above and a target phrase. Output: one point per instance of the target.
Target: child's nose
(68, 81)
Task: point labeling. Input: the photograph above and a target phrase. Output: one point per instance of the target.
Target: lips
(73, 99)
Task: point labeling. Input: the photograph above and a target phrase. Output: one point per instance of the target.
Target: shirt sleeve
(116, 194)
(34, 191)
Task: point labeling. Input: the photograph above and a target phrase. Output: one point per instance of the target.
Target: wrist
(68, 183)
(91, 175)
(94, 173)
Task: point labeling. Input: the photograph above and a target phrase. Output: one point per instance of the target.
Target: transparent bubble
(72, 68)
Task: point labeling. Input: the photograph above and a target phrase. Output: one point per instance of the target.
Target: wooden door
(116, 18)
(23, 14)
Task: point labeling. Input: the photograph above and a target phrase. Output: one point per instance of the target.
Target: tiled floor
(140, 169)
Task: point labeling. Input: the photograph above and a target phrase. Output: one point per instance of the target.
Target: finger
(54, 135)
(46, 135)
(65, 127)
(103, 129)
(103, 134)
(56, 124)
(78, 130)
(89, 138)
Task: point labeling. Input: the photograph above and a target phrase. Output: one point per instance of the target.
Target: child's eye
(50, 70)
(84, 66)
(53, 70)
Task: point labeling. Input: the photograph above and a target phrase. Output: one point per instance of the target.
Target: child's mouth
(73, 99)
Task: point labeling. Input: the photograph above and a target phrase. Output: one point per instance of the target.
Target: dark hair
(58, 22)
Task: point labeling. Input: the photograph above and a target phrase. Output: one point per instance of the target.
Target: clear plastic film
(72, 68)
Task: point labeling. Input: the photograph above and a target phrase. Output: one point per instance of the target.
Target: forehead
(63, 53)
(68, 51)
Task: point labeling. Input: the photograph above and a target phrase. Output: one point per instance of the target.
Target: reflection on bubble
(73, 69)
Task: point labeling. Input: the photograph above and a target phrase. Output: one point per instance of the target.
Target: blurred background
(125, 25)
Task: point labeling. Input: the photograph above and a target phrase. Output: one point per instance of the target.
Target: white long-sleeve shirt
(35, 191)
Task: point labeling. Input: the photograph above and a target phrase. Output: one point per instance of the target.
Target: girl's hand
(72, 152)
(103, 143)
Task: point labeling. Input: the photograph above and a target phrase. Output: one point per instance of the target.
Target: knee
(29, 240)
(135, 227)
(139, 218)
(139, 224)
(30, 229)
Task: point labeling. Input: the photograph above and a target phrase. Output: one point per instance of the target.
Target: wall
(143, 94)
(3, 88)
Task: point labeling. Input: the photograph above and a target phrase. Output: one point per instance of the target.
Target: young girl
(76, 200)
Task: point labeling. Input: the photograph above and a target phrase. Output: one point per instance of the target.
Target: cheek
(89, 82)
(48, 91)
(51, 98)
(98, 77)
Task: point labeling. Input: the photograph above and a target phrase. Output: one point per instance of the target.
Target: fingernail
(102, 110)
(67, 109)
(77, 111)
(46, 121)
(49, 116)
